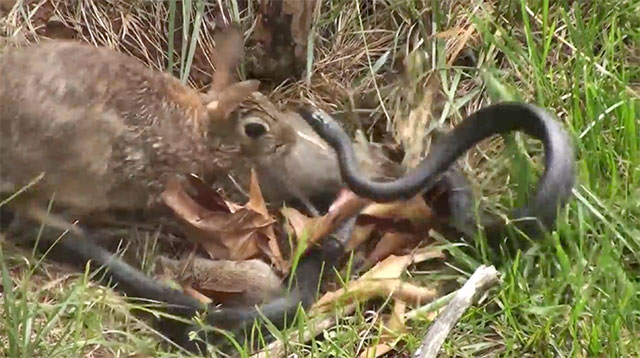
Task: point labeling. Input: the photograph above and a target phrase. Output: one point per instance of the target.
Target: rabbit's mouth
(280, 148)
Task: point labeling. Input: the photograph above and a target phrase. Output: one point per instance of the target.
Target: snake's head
(327, 128)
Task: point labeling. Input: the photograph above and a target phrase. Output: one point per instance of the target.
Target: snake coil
(553, 190)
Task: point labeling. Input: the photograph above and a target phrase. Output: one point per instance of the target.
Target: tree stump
(277, 49)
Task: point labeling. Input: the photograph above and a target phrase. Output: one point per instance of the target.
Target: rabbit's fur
(106, 131)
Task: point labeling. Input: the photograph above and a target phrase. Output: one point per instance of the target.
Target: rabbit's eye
(254, 130)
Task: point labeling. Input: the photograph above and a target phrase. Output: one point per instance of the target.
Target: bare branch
(481, 280)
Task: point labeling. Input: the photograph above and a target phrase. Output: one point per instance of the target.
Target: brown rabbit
(96, 130)
(107, 132)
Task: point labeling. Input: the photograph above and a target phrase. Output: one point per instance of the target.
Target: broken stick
(481, 280)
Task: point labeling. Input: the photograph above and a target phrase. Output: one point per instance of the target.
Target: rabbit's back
(102, 128)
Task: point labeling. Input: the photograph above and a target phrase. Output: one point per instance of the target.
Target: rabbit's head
(260, 130)
(243, 123)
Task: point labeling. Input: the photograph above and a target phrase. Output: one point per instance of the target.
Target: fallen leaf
(361, 233)
(257, 204)
(297, 222)
(363, 290)
(396, 322)
(382, 280)
(313, 229)
(390, 243)
(414, 210)
(426, 253)
(392, 267)
(224, 235)
(206, 196)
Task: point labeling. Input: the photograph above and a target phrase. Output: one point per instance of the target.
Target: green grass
(575, 294)
(578, 294)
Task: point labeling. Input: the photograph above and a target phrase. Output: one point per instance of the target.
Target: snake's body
(554, 188)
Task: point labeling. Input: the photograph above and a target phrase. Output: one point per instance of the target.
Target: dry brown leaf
(403, 224)
(410, 293)
(396, 322)
(382, 280)
(257, 204)
(426, 253)
(224, 235)
(299, 225)
(392, 267)
(390, 243)
(256, 201)
(415, 210)
(362, 290)
(360, 234)
(297, 222)
(347, 205)
(206, 196)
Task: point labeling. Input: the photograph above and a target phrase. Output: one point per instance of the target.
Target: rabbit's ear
(229, 99)
(226, 57)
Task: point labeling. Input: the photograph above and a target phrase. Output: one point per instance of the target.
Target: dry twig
(481, 280)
